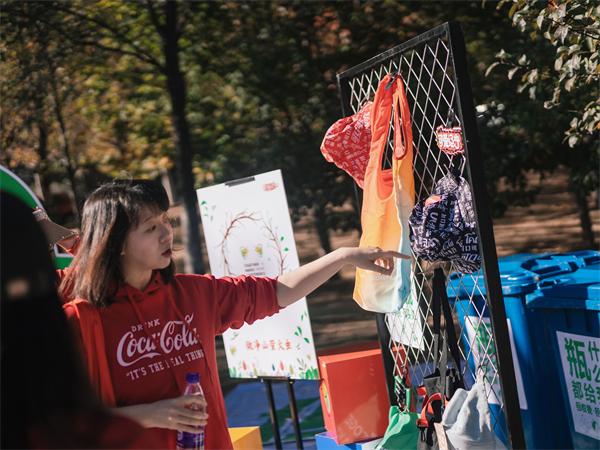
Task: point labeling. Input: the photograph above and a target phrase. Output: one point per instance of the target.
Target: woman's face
(149, 246)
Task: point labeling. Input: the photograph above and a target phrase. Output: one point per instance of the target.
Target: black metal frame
(452, 31)
(273, 410)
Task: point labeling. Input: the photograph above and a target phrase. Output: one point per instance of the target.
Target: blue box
(325, 441)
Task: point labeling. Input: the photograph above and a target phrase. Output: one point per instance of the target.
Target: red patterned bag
(347, 143)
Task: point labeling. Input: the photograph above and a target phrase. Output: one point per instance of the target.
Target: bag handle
(402, 125)
(439, 290)
(436, 308)
(422, 422)
(386, 101)
(441, 297)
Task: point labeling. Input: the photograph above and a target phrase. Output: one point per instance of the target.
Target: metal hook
(452, 118)
(395, 74)
(463, 164)
(452, 170)
(482, 369)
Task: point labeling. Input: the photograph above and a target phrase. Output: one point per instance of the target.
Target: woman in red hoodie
(142, 328)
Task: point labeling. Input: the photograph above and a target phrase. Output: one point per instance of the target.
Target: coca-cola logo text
(175, 335)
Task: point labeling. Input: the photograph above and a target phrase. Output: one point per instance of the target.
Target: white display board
(580, 358)
(248, 231)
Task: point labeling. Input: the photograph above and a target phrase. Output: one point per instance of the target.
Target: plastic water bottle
(190, 441)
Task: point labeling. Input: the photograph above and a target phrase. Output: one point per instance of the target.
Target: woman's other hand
(173, 414)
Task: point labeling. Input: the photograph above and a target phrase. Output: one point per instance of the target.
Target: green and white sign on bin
(580, 360)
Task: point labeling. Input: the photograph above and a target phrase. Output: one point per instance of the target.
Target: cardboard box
(325, 441)
(353, 392)
(246, 438)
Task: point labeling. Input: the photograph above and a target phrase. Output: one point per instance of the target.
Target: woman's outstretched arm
(294, 285)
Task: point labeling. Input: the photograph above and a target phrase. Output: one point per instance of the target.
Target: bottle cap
(192, 377)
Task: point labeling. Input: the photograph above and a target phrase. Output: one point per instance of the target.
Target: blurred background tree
(554, 64)
(42, 127)
(213, 91)
(279, 93)
(143, 35)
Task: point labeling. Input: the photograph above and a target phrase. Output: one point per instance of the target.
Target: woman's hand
(373, 259)
(53, 231)
(294, 285)
(173, 414)
(69, 242)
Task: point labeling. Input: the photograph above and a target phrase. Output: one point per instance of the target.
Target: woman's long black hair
(109, 214)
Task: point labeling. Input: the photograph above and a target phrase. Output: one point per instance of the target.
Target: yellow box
(246, 438)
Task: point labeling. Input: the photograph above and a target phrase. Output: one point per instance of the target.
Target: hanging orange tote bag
(388, 200)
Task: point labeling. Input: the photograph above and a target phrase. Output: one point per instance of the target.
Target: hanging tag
(449, 140)
(441, 436)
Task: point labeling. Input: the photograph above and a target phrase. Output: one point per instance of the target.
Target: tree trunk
(584, 217)
(42, 151)
(64, 143)
(321, 226)
(181, 138)
(322, 231)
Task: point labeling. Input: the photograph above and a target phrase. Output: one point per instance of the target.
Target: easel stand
(273, 410)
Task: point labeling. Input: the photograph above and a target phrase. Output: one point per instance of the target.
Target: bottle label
(189, 441)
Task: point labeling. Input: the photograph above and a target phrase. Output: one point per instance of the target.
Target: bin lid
(591, 273)
(589, 257)
(550, 264)
(519, 273)
(580, 290)
(513, 282)
(521, 257)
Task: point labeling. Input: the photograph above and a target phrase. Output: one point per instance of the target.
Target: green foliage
(554, 61)
(42, 93)
(261, 90)
(269, 98)
(570, 76)
(115, 109)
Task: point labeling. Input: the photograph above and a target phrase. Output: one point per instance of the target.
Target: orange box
(353, 390)
(246, 438)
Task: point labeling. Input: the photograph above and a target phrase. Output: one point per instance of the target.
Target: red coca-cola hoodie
(138, 321)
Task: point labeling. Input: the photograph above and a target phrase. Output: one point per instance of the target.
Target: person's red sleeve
(73, 319)
(245, 299)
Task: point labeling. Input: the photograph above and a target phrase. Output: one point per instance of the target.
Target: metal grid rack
(434, 69)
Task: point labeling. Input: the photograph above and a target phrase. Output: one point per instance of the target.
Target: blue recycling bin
(570, 309)
(520, 276)
(474, 319)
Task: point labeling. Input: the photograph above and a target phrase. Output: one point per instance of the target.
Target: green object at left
(402, 431)
(12, 184)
